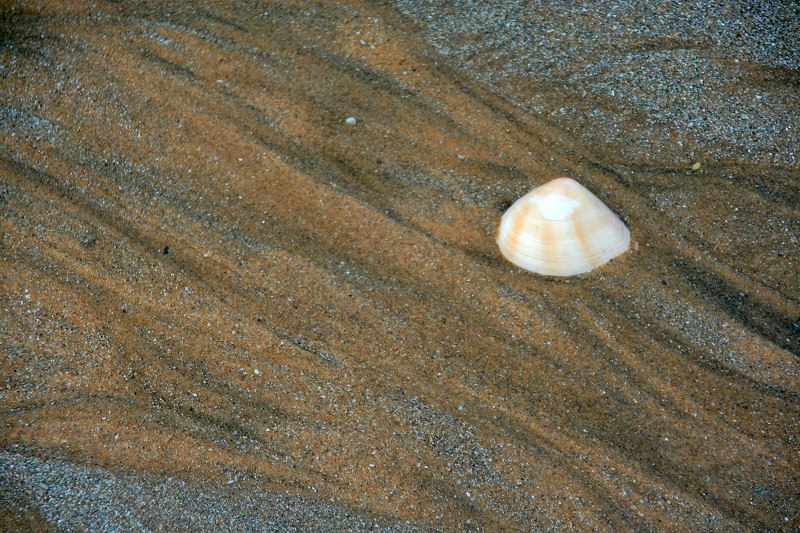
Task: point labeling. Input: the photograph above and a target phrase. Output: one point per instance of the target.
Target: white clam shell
(561, 229)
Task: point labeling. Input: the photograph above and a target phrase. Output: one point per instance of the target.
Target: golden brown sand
(207, 274)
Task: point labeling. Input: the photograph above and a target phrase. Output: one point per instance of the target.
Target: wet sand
(227, 307)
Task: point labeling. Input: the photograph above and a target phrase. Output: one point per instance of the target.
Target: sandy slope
(214, 289)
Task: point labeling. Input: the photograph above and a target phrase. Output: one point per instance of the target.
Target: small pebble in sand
(351, 120)
(696, 166)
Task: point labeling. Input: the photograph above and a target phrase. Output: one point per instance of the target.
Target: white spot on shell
(554, 206)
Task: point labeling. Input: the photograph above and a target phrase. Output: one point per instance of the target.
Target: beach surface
(249, 278)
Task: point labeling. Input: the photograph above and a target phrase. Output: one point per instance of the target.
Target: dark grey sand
(73, 498)
(653, 82)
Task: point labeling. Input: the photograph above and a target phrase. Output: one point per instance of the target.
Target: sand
(226, 306)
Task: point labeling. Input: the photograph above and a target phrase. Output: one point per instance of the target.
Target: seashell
(561, 229)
